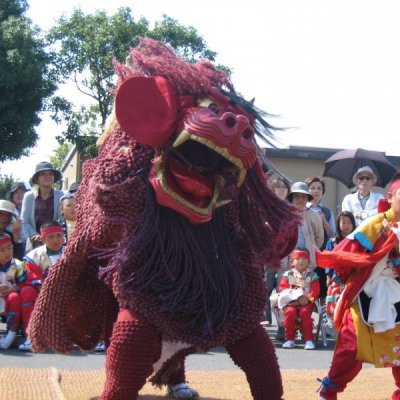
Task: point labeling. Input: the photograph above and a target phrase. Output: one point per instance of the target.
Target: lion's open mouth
(198, 174)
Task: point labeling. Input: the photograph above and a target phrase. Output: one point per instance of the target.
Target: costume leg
(396, 376)
(291, 314)
(255, 355)
(178, 376)
(344, 367)
(305, 313)
(134, 348)
(28, 295)
(13, 311)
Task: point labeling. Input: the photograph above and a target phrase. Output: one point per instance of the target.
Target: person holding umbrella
(363, 203)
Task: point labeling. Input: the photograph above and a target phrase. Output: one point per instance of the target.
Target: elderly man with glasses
(363, 203)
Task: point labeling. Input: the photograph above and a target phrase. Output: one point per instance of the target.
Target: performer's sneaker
(26, 346)
(289, 344)
(100, 347)
(182, 391)
(309, 345)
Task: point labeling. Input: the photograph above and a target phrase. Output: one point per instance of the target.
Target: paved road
(217, 359)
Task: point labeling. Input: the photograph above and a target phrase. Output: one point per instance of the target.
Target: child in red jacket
(12, 293)
(39, 261)
(298, 290)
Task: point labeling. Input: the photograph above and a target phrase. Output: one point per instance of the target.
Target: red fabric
(28, 295)
(34, 272)
(146, 109)
(394, 186)
(345, 367)
(299, 254)
(383, 205)
(13, 305)
(5, 240)
(255, 355)
(354, 266)
(306, 324)
(51, 229)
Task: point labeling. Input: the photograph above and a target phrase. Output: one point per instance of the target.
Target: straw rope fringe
(53, 384)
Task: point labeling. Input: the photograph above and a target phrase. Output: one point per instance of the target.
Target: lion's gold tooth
(242, 175)
(183, 137)
(222, 203)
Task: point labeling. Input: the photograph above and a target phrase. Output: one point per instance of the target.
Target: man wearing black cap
(41, 204)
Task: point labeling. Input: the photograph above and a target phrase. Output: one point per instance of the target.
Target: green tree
(25, 79)
(6, 182)
(86, 45)
(59, 155)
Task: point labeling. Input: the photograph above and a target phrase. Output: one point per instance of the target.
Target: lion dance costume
(174, 224)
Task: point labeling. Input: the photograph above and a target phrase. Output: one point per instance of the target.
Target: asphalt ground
(216, 359)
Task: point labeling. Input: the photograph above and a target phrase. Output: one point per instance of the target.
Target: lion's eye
(213, 107)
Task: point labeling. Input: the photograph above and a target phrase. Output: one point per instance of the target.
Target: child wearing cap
(12, 276)
(39, 262)
(298, 290)
(12, 225)
(367, 314)
(67, 208)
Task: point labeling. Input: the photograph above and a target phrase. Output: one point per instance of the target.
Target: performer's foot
(326, 391)
(100, 347)
(182, 391)
(326, 396)
(26, 346)
(289, 344)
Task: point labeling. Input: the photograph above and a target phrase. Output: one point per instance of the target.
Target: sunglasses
(364, 178)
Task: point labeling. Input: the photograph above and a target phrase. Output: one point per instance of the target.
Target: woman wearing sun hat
(363, 203)
(41, 204)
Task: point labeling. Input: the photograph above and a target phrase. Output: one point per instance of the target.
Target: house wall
(70, 168)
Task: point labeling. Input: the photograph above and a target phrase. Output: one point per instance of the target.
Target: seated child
(12, 276)
(11, 224)
(39, 262)
(67, 209)
(298, 290)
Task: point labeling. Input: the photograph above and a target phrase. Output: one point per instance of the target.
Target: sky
(329, 70)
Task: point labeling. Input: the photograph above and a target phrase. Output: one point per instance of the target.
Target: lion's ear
(146, 109)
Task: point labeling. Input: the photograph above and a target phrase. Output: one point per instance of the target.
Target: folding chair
(321, 328)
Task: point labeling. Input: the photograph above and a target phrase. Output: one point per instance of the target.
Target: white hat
(364, 171)
(7, 206)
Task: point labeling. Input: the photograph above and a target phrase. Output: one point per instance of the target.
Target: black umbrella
(345, 163)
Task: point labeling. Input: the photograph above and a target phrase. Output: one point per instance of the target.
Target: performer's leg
(135, 346)
(305, 313)
(344, 367)
(396, 376)
(178, 376)
(255, 355)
